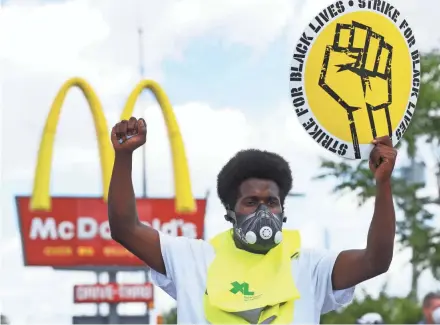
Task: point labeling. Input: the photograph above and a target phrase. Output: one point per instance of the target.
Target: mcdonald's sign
(73, 232)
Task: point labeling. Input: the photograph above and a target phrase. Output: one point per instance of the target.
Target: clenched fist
(361, 58)
(129, 135)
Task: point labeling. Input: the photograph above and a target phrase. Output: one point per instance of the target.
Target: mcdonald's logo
(79, 225)
(41, 199)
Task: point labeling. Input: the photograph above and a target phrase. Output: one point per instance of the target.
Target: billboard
(113, 293)
(73, 232)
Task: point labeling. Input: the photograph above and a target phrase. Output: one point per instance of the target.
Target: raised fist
(356, 72)
(129, 135)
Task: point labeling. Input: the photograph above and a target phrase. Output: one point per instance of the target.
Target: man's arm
(355, 266)
(126, 229)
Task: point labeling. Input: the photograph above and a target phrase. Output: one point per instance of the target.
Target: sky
(224, 65)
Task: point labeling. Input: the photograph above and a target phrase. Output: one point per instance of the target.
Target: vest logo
(241, 287)
(355, 75)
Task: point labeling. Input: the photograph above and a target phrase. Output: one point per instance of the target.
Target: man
(431, 308)
(254, 272)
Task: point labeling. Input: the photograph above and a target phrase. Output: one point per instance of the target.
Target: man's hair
(429, 298)
(252, 163)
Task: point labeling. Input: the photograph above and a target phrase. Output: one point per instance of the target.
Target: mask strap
(230, 215)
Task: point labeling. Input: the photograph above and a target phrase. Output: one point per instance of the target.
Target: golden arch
(41, 199)
(182, 182)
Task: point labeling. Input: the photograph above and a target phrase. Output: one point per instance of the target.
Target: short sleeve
(181, 256)
(327, 299)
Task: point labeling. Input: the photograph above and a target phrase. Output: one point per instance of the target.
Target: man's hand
(129, 135)
(382, 159)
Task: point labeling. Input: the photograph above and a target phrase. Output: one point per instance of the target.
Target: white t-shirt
(187, 261)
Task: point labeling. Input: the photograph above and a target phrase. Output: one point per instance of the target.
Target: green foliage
(426, 123)
(394, 310)
(170, 317)
(415, 230)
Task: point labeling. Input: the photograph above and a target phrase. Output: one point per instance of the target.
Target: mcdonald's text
(87, 228)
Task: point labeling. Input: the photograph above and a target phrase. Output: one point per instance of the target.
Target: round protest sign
(355, 75)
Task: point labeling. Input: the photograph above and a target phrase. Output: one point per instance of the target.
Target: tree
(415, 229)
(170, 317)
(393, 310)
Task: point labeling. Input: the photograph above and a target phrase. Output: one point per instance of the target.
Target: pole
(113, 317)
(144, 150)
(144, 147)
(206, 211)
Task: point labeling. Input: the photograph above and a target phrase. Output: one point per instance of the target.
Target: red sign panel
(113, 293)
(76, 233)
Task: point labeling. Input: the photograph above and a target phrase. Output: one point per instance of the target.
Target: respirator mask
(259, 231)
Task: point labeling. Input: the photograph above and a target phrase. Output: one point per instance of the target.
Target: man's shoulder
(183, 240)
(184, 245)
(315, 256)
(312, 253)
